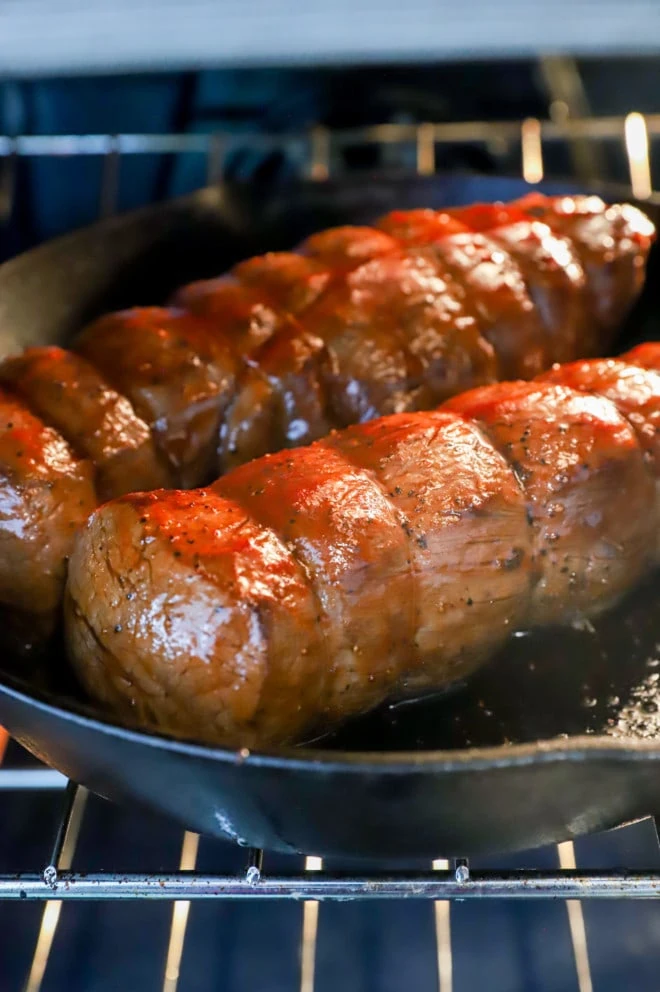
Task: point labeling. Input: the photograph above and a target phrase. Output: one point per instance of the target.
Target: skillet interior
(557, 736)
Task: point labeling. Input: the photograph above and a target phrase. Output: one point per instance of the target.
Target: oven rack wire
(317, 156)
(444, 883)
(316, 153)
(445, 879)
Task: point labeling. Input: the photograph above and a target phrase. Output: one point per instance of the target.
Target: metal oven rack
(316, 153)
(444, 882)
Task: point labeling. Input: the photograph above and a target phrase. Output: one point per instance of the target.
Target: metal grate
(316, 153)
(443, 882)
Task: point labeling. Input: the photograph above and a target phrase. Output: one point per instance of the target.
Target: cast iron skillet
(558, 736)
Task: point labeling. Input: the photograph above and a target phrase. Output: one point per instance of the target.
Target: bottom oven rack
(444, 880)
(445, 883)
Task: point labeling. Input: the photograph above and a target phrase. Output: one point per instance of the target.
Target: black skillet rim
(578, 748)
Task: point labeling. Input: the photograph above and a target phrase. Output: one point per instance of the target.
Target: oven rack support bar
(610, 128)
(327, 886)
(315, 151)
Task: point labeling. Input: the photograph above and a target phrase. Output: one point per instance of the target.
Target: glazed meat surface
(370, 321)
(101, 425)
(344, 248)
(46, 494)
(282, 399)
(553, 272)
(358, 323)
(491, 280)
(583, 472)
(177, 374)
(607, 240)
(422, 343)
(392, 557)
(291, 281)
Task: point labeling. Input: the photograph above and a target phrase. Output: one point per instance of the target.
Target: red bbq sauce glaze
(588, 490)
